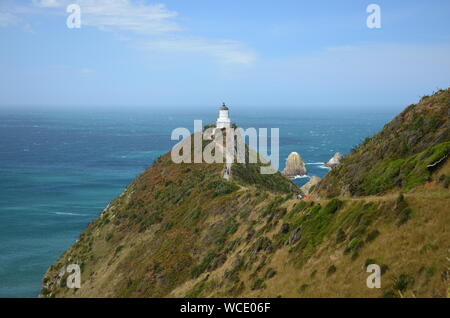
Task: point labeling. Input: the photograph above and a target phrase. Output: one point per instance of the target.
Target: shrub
(389, 294)
(200, 268)
(404, 216)
(369, 261)
(445, 180)
(372, 235)
(196, 213)
(354, 245)
(232, 228)
(332, 206)
(109, 236)
(331, 270)
(196, 290)
(45, 291)
(400, 202)
(270, 273)
(258, 284)
(402, 282)
(302, 288)
(384, 268)
(270, 209)
(340, 236)
(221, 187)
(118, 249)
(430, 271)
(168, 225)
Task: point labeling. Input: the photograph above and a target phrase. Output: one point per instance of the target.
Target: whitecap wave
(324, 167)
(314, 163)
(68, 213)
(301, 177)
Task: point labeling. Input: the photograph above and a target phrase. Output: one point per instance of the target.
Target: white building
(223, 121)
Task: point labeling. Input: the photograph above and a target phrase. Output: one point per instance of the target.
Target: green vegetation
(398, 156)
(221, 187)
(372, 235)
(196, 291)
(200, 268)
(270, 273)
(302, 288)
(408, 173)
(402, 282)
(444, 180)
(332, 206)
(331, 270)
(181, 230)
(250, 174)
(258, 284)
(430, 271)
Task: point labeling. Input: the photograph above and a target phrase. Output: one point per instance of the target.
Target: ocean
(60, 168)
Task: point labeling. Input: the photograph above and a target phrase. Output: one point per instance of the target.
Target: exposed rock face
(312, 182)
(294, 166)
(295, 236)
(333, 162)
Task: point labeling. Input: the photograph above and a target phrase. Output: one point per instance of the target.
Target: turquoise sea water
(60, 168)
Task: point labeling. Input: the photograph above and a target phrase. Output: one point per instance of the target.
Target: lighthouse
(223, 121)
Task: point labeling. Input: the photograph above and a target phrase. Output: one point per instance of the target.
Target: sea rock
(333, 162)
(294, 166)
(312, 182)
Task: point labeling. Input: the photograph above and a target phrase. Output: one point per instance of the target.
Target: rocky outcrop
(312, 182)
(294, 166)
(295, 236)
(333, 162)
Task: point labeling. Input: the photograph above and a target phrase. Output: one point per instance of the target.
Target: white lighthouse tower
(223, 121)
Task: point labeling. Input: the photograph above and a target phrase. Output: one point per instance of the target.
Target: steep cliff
(181, 230)
(398, 156)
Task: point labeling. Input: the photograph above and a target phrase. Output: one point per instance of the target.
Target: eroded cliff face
(294, 166)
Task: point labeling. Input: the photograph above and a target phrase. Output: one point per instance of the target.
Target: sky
(186, 53)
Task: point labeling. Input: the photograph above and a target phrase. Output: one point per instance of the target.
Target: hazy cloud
(8, 19)
(48, 3)
(224, 50)
(155, 26)
(120, 15)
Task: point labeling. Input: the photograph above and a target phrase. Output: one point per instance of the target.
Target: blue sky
(199, 53)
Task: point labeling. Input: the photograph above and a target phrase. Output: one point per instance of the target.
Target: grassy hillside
(398, 156)
(172, 224)
(181, 230)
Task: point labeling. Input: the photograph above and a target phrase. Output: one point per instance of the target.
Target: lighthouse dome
(223, 121)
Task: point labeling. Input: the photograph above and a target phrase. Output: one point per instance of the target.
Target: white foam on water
(68, 213)
(301, 177)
